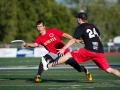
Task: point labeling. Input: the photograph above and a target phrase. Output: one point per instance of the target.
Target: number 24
(92, 33)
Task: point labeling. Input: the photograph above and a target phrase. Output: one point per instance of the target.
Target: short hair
(82, 15)
(39, 22)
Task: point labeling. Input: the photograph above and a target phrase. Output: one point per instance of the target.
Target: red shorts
(82, 55)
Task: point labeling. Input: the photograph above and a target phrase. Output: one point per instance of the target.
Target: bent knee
(109, 70)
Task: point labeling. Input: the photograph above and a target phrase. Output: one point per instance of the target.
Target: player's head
(39, 22)
(40, 26)
(82, 16)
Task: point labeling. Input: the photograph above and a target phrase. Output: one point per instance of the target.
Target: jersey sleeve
(77, 33)
(57, 32)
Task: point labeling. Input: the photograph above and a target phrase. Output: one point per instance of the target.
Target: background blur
(18, 18)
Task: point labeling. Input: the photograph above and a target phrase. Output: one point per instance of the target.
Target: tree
(7, 21)
(103, 13)
(19, 17)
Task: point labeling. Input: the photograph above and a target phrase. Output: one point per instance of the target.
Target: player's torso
(90, 34)
(51, 41)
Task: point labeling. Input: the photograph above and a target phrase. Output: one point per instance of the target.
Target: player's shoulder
(84, 26)
(90, 24)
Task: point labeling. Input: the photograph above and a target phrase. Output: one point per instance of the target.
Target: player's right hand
(61, 52)
(25, 44)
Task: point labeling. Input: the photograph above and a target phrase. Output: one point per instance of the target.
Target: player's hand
(60, 52)
(82, 42)
(25, 44)
(79, 41)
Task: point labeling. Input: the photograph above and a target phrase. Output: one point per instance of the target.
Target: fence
(18, 50)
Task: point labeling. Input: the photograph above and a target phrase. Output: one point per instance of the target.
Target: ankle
(38, 75)
(49, 65)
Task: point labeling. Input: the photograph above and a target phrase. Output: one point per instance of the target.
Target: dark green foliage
(18, 18)
(105, 15)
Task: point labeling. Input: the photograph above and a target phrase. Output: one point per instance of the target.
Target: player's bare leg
(113, 71)
(64, 59)
(61, 60)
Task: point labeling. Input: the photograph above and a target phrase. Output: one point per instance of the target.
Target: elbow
(35, 45)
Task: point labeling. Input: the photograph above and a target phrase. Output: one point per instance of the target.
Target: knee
(109, 70)
(48, 57)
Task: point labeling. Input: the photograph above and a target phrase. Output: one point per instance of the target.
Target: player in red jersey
(93, 49)
(51, 39)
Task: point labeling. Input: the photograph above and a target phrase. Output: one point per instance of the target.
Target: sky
(62, 1)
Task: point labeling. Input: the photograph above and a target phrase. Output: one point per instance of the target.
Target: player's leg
(113, 71)
(40, 70)
(75, 65)
(102, 63)
(79, 68)
(66, 57)
(59, 61)
(49, 59)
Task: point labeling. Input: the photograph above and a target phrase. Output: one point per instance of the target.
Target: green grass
(55, 79)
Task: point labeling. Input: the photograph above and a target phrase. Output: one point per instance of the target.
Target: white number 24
(92, 33)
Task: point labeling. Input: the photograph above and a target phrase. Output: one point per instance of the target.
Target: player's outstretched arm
(33, 45)
(72, 41)
(68, 36)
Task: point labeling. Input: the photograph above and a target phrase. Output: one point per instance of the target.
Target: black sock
(76, 66)
(40, 69)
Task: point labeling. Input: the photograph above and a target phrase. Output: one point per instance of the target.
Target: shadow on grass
(49, 80)
(65, 81)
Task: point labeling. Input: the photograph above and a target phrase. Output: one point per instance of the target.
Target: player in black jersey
(93, 49)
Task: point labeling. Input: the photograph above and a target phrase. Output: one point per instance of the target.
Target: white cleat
(44, 62)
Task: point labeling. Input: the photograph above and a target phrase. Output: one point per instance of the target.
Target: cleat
(38, 79)
(88, 75)
(44, 62)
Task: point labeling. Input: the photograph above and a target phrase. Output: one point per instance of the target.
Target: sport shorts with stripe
(82, 55)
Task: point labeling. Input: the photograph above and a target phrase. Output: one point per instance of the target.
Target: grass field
(19, 73)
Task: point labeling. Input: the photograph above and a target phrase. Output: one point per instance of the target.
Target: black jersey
(90, 34)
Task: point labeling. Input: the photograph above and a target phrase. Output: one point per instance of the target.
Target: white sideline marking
(36, 67)
(50, 85)
(43, 85)
(56, 67)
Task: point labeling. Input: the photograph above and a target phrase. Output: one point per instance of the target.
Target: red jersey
(51, 40)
